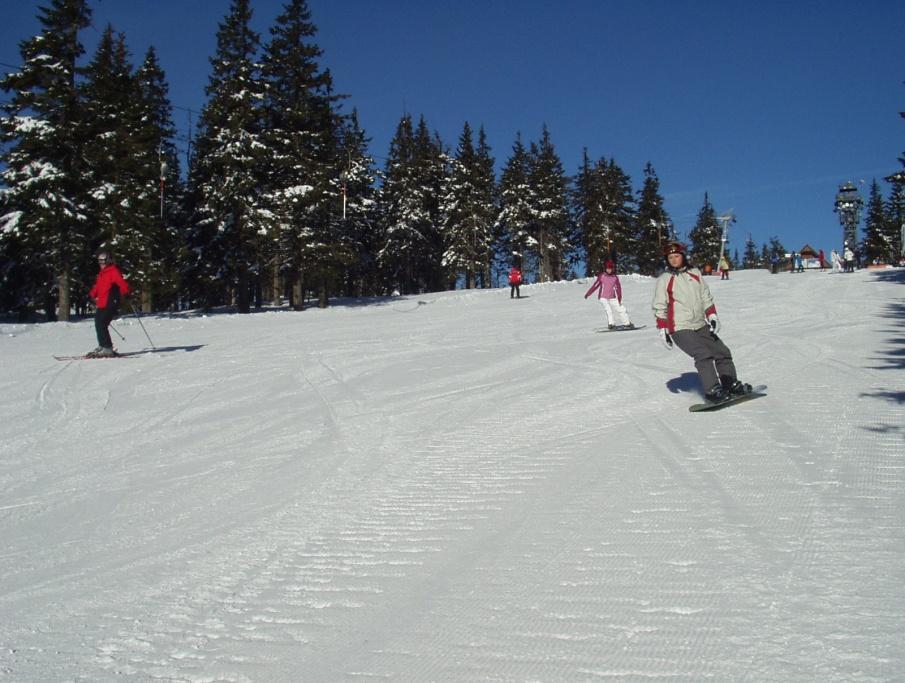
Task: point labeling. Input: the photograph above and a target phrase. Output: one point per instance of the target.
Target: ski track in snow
(471, 490)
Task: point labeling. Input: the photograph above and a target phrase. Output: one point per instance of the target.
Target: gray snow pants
(712, 357)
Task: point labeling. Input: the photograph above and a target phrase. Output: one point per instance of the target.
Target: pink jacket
(608, 287)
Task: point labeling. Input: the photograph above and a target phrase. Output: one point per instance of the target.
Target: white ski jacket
(682, 300)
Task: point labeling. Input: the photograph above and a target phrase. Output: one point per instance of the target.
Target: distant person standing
(515, 282)
(609, 294)
(724, 267)
(822, 258)
(107, 292)
(835, 262)
(848, 259)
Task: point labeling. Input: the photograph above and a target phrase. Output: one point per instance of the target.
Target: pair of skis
(85, 356)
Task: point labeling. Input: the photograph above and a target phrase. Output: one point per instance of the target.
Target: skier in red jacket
(515, 282)
(108, 289)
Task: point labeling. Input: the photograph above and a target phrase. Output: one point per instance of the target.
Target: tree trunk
(243, 304)
(298, 298)
(277, 284)
(147, 300)
(63, 296)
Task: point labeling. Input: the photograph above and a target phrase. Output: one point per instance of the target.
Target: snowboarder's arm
(660, 302)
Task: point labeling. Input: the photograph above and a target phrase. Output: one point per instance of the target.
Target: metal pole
(137, 317)
(723, 237)
(163, 177)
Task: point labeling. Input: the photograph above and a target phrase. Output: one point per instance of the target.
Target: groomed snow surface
(460, 487)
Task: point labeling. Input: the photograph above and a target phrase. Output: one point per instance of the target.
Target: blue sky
(767, 106)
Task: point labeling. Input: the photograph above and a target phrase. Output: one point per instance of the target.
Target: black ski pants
(102, 319)
(712, 357)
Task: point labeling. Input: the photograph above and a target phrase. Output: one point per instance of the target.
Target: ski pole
(118, 333)
(137, 317)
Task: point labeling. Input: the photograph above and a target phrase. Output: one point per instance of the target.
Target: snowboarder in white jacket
(686, 316)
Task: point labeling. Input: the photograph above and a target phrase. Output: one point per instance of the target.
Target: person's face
(101, 261)
(675, 260)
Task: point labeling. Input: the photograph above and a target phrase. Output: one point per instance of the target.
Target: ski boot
(737, 388)
(717, 394)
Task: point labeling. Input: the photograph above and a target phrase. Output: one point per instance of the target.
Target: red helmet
(673, 248)
(609, 264)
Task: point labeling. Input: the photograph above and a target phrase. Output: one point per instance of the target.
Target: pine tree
(301, 188)
(605, 214)
(160, 190)
(751, 258)
(617, 201)
(652, 224)
(705, 237)
(124, 149)
(551, 220)
(466, 212)
(225, 178)
(488, 202)
(895, 211)
(430, 170)
(587, 218)
(514, 221)
(405, 222)
(111, 118)
(877, 239)
(775, 250)
(327, 252)
(360, 210)
(44, 209)
(410, 259)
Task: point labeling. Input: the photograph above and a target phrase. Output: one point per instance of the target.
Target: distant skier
(107, 292)
(515, 282)
(848, 257)
(836, 261)
(724, 267)
(686, 316)
(609, 294)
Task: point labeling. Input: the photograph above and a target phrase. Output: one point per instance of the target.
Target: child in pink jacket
(609, 294)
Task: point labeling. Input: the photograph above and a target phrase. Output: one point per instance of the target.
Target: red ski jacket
(106, 280)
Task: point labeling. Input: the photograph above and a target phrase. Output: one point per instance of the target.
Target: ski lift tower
(848, 206)
(724, 220)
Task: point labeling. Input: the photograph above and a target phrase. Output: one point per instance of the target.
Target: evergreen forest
(279, 201)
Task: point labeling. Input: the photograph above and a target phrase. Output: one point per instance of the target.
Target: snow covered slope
(460, 487)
